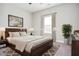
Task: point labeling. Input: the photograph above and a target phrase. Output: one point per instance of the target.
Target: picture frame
(15, 21)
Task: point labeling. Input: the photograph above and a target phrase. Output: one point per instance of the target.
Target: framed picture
(15, 21)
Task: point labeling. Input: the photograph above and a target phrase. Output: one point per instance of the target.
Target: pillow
(14, 34)
(77, 34)
(23, 33)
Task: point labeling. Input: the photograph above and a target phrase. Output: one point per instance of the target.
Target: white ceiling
(34, 7)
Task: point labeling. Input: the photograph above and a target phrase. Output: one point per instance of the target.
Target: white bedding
(27, 42)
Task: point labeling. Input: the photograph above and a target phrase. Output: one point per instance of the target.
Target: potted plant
(66, 29)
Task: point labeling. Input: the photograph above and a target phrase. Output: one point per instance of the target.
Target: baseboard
(61, 41)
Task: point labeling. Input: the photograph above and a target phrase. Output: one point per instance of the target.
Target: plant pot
(70, 40)
(66, 41)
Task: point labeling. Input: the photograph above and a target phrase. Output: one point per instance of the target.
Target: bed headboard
(7, 30)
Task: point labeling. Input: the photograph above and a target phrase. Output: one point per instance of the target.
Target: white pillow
(14, 34)
(77, 34)
(23, 33)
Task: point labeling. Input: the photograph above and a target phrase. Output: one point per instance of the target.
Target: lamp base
(31, 34)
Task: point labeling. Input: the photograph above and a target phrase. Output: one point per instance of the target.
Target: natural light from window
(47, 24)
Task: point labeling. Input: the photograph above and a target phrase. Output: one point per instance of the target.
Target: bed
(33, 47)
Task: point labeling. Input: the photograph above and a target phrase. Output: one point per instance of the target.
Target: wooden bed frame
(36, 51)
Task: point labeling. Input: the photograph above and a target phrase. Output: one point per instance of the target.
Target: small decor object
(15, 21)
(66, 29)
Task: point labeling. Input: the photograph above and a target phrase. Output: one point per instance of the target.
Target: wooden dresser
(75, 44)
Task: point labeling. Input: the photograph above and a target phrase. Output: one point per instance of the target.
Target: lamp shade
(2, 28)
(2, 32)
(30, 29)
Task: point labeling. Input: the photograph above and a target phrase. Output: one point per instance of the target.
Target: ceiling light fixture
(30, 3)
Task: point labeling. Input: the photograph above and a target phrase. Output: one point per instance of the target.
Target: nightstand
(2, 44)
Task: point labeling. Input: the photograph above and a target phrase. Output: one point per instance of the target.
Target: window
(47, 24)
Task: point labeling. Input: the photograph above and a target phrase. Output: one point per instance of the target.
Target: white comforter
(27, 42)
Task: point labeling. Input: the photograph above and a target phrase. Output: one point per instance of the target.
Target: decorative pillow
(14, 34)
(23, 33)
(77, 34)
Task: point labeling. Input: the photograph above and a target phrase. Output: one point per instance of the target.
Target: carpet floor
(9, 52)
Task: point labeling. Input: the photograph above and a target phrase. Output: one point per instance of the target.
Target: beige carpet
(9, 52)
